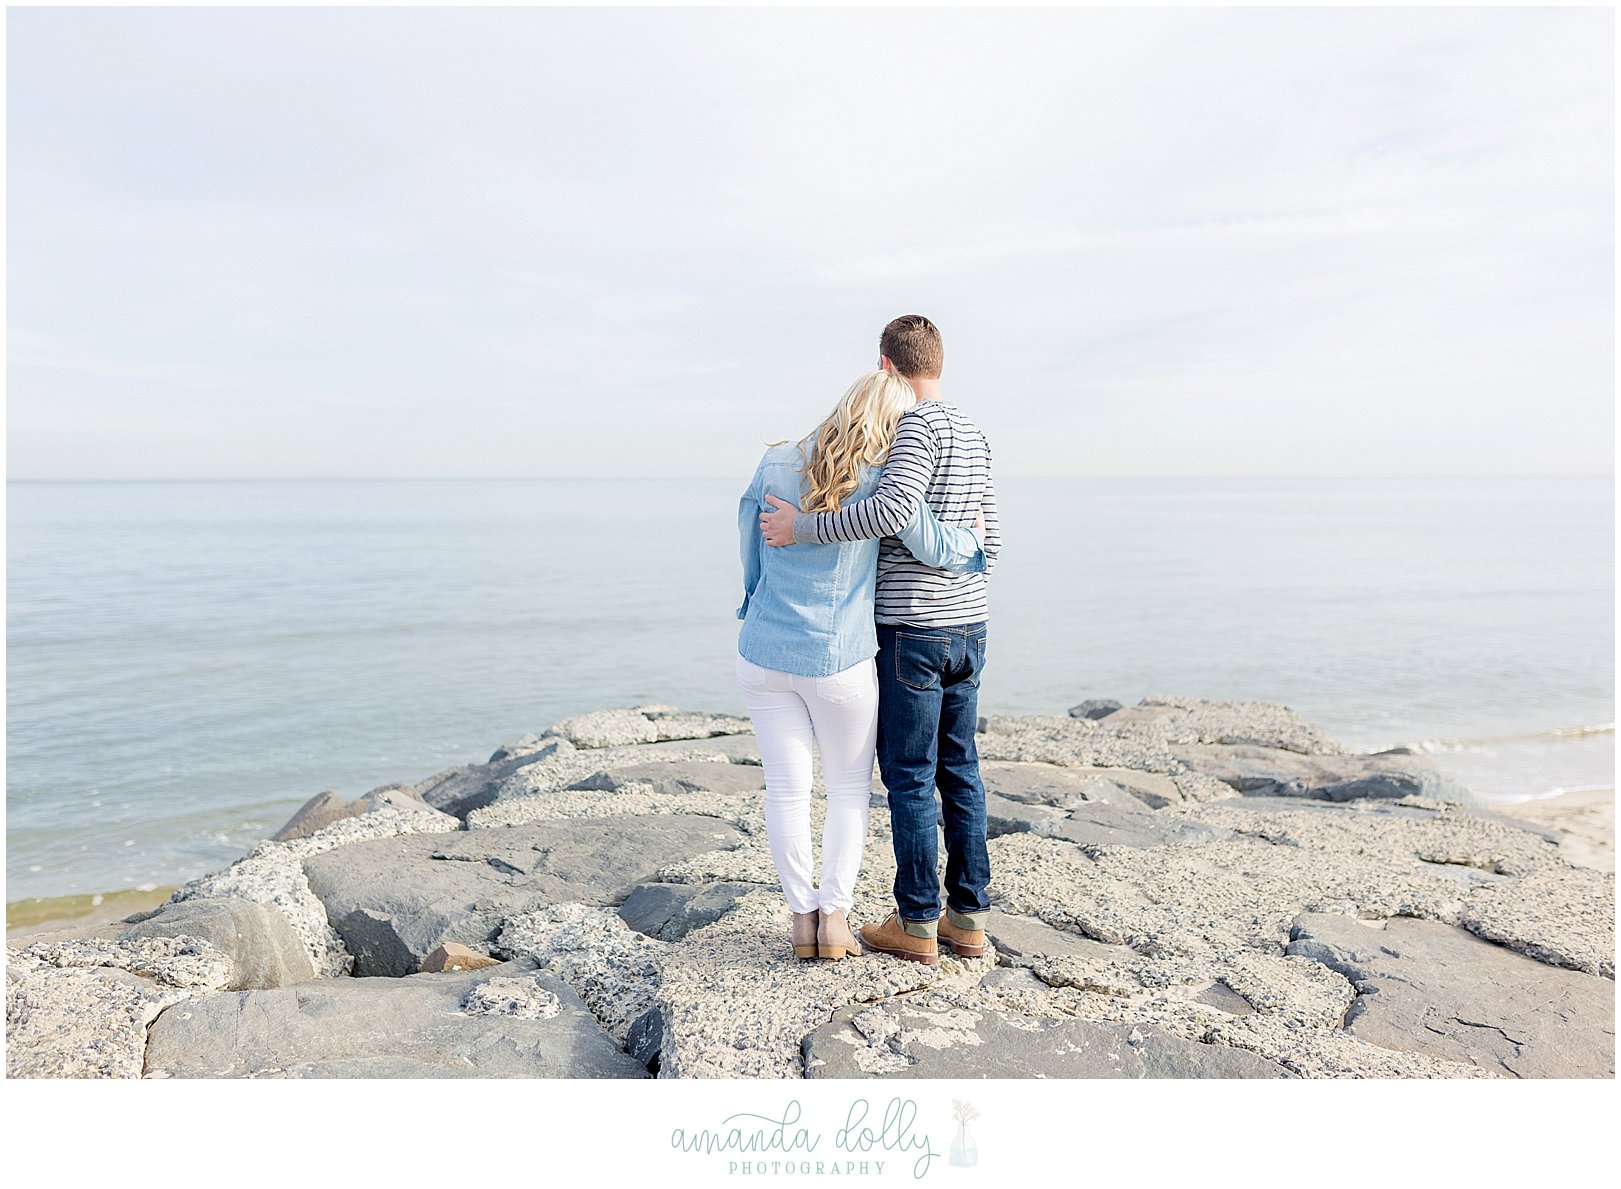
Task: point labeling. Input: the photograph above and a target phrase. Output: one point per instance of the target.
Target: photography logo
(863, 1140)
(964, 1151)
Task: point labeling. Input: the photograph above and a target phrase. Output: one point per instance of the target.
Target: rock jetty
(1183, 888)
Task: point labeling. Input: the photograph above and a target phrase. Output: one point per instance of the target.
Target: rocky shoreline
(1183, 888)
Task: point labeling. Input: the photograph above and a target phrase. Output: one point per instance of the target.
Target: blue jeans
(928, 708)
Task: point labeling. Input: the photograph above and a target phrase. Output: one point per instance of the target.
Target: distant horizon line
(667, 478)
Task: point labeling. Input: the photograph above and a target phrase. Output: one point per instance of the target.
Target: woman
(805, 651)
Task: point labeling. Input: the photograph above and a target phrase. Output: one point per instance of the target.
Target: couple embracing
(865, 550)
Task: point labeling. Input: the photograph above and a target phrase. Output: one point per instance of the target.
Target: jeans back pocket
(921, 659)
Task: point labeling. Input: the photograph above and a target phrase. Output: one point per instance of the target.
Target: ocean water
(190, 661)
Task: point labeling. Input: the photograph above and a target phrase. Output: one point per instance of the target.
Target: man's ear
(887, 364)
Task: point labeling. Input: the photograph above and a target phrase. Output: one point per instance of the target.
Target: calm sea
(189, 661)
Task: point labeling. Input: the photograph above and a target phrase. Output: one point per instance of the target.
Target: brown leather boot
(804, 934)
(965, 943)
(890, 938)
(833, 936)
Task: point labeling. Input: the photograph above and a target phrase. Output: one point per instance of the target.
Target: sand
(52, 914)
(1587, 816)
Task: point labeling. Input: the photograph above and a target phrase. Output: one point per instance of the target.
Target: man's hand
(778, 526)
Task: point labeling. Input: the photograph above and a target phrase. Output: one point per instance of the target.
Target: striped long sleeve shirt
(941, 456)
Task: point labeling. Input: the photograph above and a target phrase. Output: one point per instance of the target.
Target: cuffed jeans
(928, 709)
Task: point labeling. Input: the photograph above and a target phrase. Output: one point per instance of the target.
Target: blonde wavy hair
(857, 433)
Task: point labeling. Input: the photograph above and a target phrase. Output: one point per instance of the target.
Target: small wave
(1557, 734)
(1561, 791)
(1548, 794)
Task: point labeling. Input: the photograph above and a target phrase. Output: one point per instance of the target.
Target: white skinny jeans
(841, 713)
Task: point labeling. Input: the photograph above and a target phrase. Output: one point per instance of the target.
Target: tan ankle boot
(965, 943)
(890, 938)
(804, 934)
(833, 936)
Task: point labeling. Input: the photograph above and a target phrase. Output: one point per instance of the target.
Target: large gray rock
(926, 1036)
(1020, 939)
(180, 961)
(680, 776)
(461, 790)
(645, 724)
(257, 938)
(1430, 988)
(1099, 824)
(1095, 824)
(561, 764)
(645, 1038)
(1065, 788)
(395, 899)
(1094, 708)
(273, 873)
(670, 911)
(738, 749)
(1210, 720)
(80, 1022)
(421, 1025)
(321, 810)
(1272, 771)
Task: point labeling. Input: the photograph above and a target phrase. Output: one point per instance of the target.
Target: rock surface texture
(1182, 888)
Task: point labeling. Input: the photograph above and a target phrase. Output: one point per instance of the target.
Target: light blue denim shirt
(807, 608)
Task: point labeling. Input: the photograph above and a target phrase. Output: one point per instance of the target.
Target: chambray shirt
(808, 608)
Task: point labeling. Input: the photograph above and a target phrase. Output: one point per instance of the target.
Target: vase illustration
(964, 1152)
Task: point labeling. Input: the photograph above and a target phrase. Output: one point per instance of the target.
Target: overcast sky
(307, 242)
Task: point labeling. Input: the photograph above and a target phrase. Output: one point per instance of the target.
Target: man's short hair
(912, 343)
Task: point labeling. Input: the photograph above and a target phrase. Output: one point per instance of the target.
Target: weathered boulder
(1077, 742)
(1222, 997)
(1094, 708)
(678, 776)
(645, 1038)
(1094, 824)
(670, 911)
(395, 899)
(1273, 771)
(738, 749)
(321, 810)
(78, 1008)
(526, 996)
(1211, 720)
(934, 1036)
(272, 873)
(1067, 787)
(462, 789)
(1019, 940)
(548, 771)
(80, 1022)
(180, 961)
(1430, 988)
(257, 938)
(737, 1003)
(458, 1023)
(614, 970)
(645, 724)
(1136, 739)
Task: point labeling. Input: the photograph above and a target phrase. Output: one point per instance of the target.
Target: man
(931, 650)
